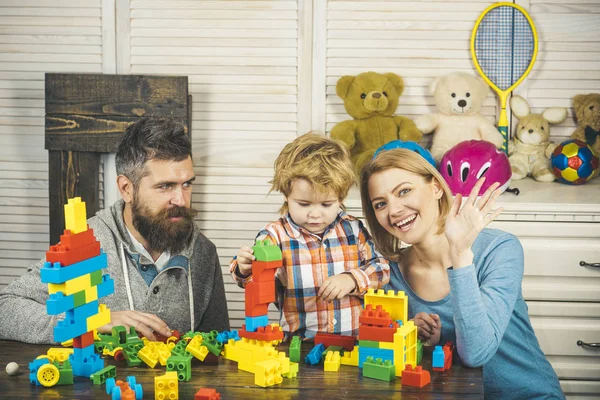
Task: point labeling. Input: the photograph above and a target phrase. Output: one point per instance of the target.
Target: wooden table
(311, 383)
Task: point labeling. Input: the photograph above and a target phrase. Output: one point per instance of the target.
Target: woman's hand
(337, 287)
(429, 328)
(464, 224)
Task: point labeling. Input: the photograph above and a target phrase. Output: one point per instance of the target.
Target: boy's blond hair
(323, 162)
(410, 161)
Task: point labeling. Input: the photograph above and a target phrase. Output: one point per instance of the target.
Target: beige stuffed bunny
(530, 148)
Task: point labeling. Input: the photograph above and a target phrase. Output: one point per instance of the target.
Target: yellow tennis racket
(504, 46)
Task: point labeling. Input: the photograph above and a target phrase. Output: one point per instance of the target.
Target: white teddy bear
(458, 97)
(530, 147)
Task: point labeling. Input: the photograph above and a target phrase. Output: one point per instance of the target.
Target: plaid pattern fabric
(504, 45)
(308, 260)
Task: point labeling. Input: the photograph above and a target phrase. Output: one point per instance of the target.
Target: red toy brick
(264, 271)
(260, 292)
(377, 317)
(377, 333)
(211, 359)
(417, 377)
(84, 340)
(61, 254)
(448, 349)
(265, 333)
(330, 339)
(207, 394)
(75, 241)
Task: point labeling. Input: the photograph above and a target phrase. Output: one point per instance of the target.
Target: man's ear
(125, 188)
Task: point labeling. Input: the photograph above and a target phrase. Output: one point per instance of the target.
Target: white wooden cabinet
(559, 228)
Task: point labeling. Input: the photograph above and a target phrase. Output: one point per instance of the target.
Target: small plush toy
(530, 148)
(458, 97)
(587, 111)
(371, 99)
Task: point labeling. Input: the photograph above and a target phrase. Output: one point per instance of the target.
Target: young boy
(329, 259)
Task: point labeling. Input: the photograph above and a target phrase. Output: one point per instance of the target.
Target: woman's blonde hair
(323, 162)
(406, 160)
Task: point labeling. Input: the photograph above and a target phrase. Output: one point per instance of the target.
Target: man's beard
(159, 231)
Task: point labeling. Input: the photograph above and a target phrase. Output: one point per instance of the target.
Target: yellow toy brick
(149, 355)
(268, 373)
(405, 347)
(59, 354)
(396, 304)
(166, 387)
(350, 357)
(386, 345)
(75, 216)
(71, 286)
(332, 361)
(230, 351)
(91, 294)
(196, 349)
(100, 319)
(293, 371)
(164, 352)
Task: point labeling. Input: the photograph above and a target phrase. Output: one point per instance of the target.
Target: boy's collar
(294, 231)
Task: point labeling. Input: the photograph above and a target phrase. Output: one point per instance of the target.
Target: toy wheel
(110, 383)
(119, 356)
(139, 392)
(131, 381)
(48, 375)
(116, 393)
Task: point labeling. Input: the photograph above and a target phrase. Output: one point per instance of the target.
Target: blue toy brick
(437, 360)
(253, 323)
(75, 322)
(55, 273)
(314, 356)
(59, 303)
(33, 368)
(84, 353)
(224, 336)
(106, 287)
(87, 368)
(364, 352)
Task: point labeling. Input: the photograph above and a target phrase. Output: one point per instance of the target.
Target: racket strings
(504, 46)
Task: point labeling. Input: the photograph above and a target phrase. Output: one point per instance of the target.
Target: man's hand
(143, 323)
(337, 286)
(245, 257)
(429, 328)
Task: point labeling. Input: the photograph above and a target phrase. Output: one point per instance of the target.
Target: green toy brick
(65, 373)
(179, 349)
(377, 369)
(339, 349)
(210, 341)
(419, 351)
(368, 343)
(182, 365)
(266, 251)
(79, 298)
(130, 352)
(96, 277)
(295, 346)
(101, 376)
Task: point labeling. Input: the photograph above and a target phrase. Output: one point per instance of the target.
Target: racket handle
(503, 128)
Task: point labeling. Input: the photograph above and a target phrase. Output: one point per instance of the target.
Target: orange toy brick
(207, 394)
(84, 340)
(376, 317)
(260, 292)
(330, 339)
(417, 377)
(61, 254)
(267, 333)
(264, 271)
(73, 241)
(255, 310)
(377, 333)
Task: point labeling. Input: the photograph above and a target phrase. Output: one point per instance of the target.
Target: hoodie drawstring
(126, 275)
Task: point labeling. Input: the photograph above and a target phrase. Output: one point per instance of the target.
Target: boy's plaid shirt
(308, 260)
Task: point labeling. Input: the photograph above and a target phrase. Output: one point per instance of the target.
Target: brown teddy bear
(530, 147)
(587, 111)
(458, 97)
(371, 99)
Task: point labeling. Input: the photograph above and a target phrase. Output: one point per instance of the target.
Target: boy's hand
(429, 328)
(337, 286)
(245, 257)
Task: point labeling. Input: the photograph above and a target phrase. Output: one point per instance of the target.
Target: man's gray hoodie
(23, 314)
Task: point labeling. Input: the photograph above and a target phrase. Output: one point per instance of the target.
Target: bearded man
(167, 274)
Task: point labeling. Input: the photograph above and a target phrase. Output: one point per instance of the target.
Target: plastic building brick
(207, 394)
(85, 340)
(314, 356)
(57, 273)
(379, 369)
(269, 333)
(100, 319)
(350, 357)
(65, 373)
(130, 351)
(417, 377)
(85, 361)
(210, 341)
(332, 361)
(447, 349)
(369, 343)
(101, 376)
(377, 333)
(437, 360)
(148, 355)
(365, 352)
(164, 352)
(59, 354)
(75, 215)
(329, 339)
(405, 347)
(224, 336)
(260, 292)
(266, 251)
(128, 390)
(211, 359)
(253, 323)
(293, 372)
(166, 387)
(419, 351)
(396, 304)
(375, 316)
(331, 349)
(182, 365)
(65, 257)
(73, 241)
(72, 285)
(268, 373)
(295, 346)
(253, 309)
(196, 348)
